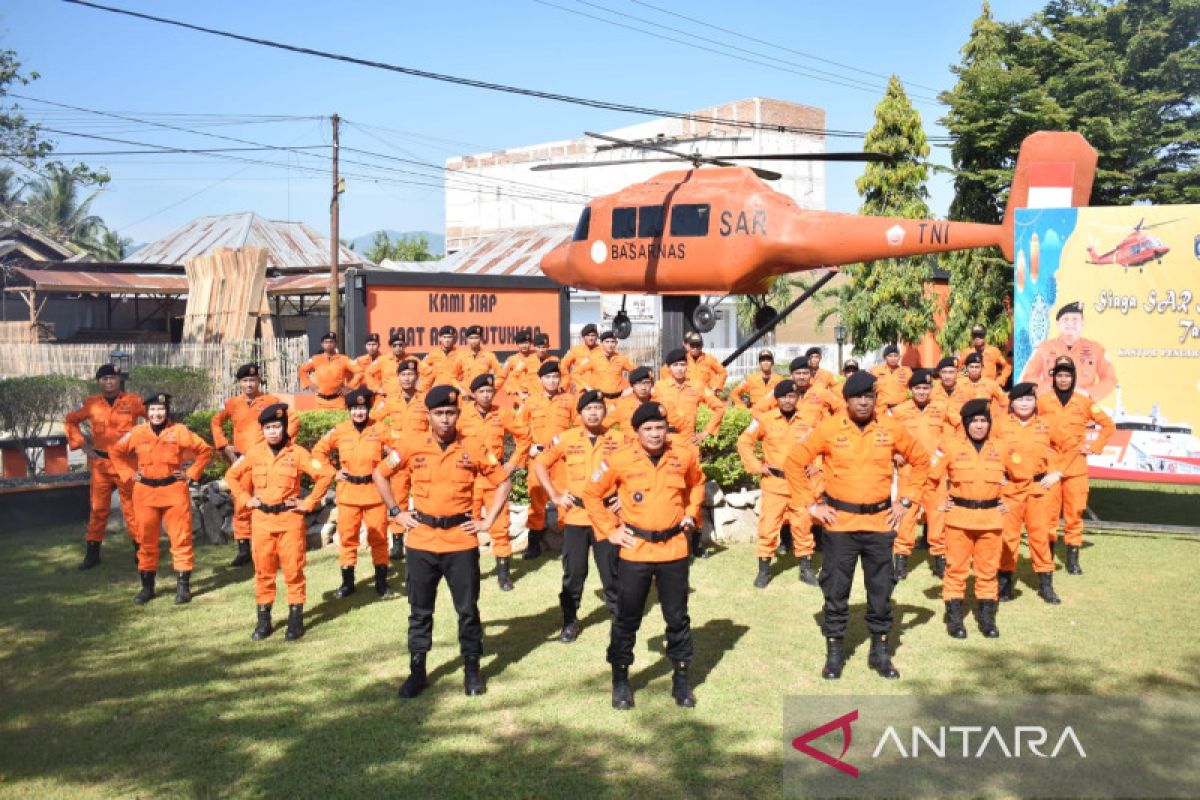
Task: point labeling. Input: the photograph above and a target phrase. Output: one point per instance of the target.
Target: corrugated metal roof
(71, 281)
(515, 252)
(289, 245)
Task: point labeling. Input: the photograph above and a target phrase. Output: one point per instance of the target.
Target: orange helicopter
(1136, 250)
(723, 230)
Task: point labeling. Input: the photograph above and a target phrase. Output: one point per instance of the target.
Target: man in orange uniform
(605, 370)
(267, 480)
(541, 349)
(891, 378)
(152, 456)
(1031, 439)
(402, 416)
(363, 363)
(813, 399)
(660, 487)
(577, 357)
(381, 376)
(1095, 378)
(359, 446)
(330, 373)
(1071, 414)
(977, 466)
(247, 433)
(483, 421)
(110, 414)
(858, 514)
(620, 414)
(822, 378)
(582, 449)
(549, 412)
(443, 531)
(925, 419)
(995, 367)
(778, 430)
(702, 368)
(760, 386)
(520, 367)
(442, 365)
(475, 360)
(977, 387)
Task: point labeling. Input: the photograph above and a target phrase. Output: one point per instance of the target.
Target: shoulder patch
(316, 463)
(1096, 409)
(753, 426)
(125, 438)
(393, 459)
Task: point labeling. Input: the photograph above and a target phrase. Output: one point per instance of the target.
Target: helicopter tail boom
(1055, 169)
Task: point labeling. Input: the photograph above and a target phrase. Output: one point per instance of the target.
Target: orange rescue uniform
(604, 373)
(519, 374)
(891, 385)
(475, 364)
(704, 369)
(755, 389)
(441, 368)
(247, 434)
(685, 399)
(547, 417)
(362, 365)
(489, 429)
(778, 435)
(929, 425)
(995, 366)
(329, 375)
(1031, 444)
(582, 454)
(109, 422)
(358, 501)
(575, 359)
(382, 377)
(1094, 374)
(1074, 444)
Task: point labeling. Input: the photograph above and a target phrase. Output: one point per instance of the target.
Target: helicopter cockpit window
(651, 221)
(584, 225)
(624, 223)
(690, 219)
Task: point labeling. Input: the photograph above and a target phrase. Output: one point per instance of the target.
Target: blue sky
(102, 61)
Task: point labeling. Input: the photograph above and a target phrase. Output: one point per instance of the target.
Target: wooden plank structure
(227, 298)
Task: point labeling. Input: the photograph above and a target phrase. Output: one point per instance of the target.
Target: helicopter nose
(555, 265)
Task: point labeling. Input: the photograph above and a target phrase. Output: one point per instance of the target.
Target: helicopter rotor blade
(579, 164)
(847, 156)
(643, 146)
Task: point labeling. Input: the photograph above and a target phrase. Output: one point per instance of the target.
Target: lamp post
(839, 333)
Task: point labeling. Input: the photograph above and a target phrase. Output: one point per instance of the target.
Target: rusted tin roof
(515, 252)
(56, 281)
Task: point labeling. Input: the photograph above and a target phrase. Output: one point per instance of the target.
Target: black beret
(1070, 308)
(891, 348)
(921, 377)
(1022, 390)
(1063, 364)
(784, 387)
(157, 399)
(675, 356)
(812, 351)
(799, 362)
(858, 383)
(523, 336)
(474, 330)
(648, 412)
(276, 412)
(247, 371)
(396, 338)
(105, 370)
(948, 361)
(693, 338)
(359, 397)
(975, 408)
(371, 337)
(979, 330)
(850, 366)
(607, 335)
(589, 397)
(973, 358)
(447, 330)
(408, 363)
(549, 368)
(640, 374)
(486, 379)
(441, 397)
(541, 339)
(589, 328)
(329, 337)
(766, 355)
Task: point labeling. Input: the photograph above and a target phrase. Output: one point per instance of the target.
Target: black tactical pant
(461, 571)
(633, 587)
(577, 540)
(842, 551)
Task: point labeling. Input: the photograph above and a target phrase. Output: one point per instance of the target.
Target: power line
(157, 152)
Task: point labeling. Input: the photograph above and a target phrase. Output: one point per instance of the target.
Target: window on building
(584, 225)
(650, 221)
(690, 219)
(624, 223)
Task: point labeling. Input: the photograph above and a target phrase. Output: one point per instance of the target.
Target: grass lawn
(1152, 503)
(100, 698)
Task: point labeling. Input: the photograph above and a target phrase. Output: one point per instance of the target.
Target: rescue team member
(577, 357)
(702, 368)
(976, 465)
(403, 414)
(582, 449)
(891, 378)
(641, 386)
(541, 349)
(267, 480)
(549, 412)
(946, 389)
(381, 376)
(515, 376)
(925, 419)
(363, 363)
(778, 431)
(1071, 413)
(814, 401)
(442, 365)
(152, 456)
(977, 387)
(848, 368)
(475, 359)
(110, 414)
(755, 388)
(360, 447)
(483, 421)
(443, 531)
(660, 487)
(822, 378)
(330, 373)
(1095, 378)
(243, 413)
(995, 367)
(605, 371)
(682, 396)
(1030, 438)
(857, 512)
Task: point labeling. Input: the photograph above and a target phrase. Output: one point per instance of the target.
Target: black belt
(858, 508)
(333, 396)
(441, 523)
(156, 482)
(361, 480)
(611, 395)
(100, 453)
(672, 429)
(776, 471)
(1041, 476)
(277, 508)
(655, 536)
(978, 504)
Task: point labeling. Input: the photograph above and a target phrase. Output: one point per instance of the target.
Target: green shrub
(190, 389)
(718, 453)
(520, 489)
(314, 425)
(30, 405)
(200, 423)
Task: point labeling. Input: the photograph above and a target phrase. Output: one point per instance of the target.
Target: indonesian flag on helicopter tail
(1050, 184)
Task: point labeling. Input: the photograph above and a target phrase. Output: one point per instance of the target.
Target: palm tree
(10, 193)
(111, 246)
(53, 205)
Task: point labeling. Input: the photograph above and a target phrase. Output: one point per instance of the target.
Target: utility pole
(333, 238)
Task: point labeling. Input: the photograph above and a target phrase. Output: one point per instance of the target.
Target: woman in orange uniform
(153, 456)
(267, 480)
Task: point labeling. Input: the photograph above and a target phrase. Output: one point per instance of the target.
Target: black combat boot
(183, 588)
(91, 556)
(764, 573)
(806, 571)
(416, 681)
(243, 554)
(835, 658)
(295, 628)
(879, 659)
(622, 692)
(698, 549)
(1046, 588)
(264, 628)
(939, 566)
(899, 567)
(954, 619)
(347, 588)
(570, 631)
(147, 592)
(503, 574)
(1073, 561)
(986, 615)
(534, 548)
(1005, 579)
(381, 582)
(473, 684)
(681, 688)
(397, 551)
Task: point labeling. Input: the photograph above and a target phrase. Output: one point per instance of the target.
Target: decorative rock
(713, 496)
(747, 498)
(734, 526)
